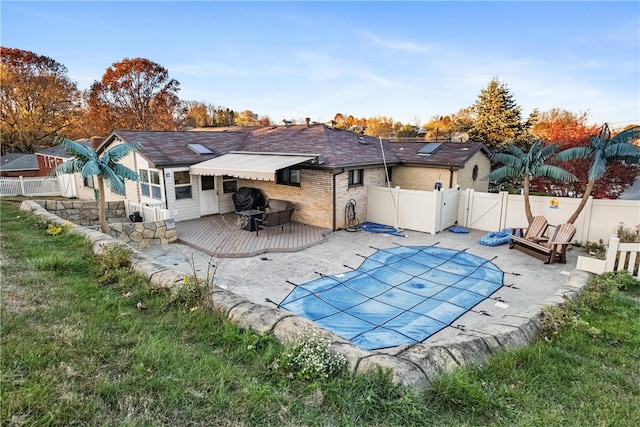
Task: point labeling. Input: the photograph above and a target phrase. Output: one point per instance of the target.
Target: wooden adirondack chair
(535, 232)
(549, 250)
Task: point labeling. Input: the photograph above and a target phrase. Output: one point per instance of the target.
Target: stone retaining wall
(144, 234)
(136, 234)
(81, 212)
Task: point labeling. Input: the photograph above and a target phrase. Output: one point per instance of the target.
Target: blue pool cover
(400, 295)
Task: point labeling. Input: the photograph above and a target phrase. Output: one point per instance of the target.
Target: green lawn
(75, 350)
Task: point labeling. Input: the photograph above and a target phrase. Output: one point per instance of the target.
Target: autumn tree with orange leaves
(571, 130)
(134, 94)
(38, 100)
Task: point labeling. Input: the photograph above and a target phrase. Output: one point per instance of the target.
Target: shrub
(54, 230)
(193, 291)
(593, 298)
(628, 234)
(309, 358)
(115, 265)
(190, 295)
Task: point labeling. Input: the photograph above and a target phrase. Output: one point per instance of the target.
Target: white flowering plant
(309, 358)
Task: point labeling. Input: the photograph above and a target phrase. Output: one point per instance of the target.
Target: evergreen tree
(497, 119)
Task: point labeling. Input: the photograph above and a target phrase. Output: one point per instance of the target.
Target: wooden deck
(222, 236)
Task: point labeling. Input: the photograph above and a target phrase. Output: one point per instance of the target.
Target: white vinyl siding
(187, 208)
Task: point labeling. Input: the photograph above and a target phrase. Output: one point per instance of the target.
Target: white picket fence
(32, 186)
(148, 212)
(620, 256)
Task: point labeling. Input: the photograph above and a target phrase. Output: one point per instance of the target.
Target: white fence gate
(426, 211)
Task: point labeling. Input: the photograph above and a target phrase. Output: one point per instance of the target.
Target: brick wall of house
(46, 163)
(344, 194)
(420, 178)
(465, 176)
(314, 198)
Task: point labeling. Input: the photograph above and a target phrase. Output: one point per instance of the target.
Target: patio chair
(274, 205)
(549, 250)
(535, 232)
(274, 219)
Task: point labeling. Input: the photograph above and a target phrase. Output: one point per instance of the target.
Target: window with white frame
(182, 182)
(229, 184)
(150, 184)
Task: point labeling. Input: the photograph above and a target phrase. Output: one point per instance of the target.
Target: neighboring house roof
(18, 162)
(447, 154)
(56, 151)
(59, 151)
(338, 148)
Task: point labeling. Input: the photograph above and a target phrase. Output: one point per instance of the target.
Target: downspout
(164, 182)
(450, 176)
(334, 174)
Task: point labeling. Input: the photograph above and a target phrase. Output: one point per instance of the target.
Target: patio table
(247, 218)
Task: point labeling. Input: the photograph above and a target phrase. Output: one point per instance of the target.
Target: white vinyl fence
(33, 186)
(428, 211)
(148, 212)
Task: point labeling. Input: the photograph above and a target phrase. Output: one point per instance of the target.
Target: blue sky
(406, 60)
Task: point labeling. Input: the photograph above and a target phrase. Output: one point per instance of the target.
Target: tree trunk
(527, 202)
(102, 207)
(583, 202)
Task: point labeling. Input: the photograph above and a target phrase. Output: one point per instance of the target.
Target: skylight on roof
(429, 148)
(199, 148)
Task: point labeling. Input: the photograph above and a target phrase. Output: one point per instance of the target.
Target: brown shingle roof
(454, 154)
(339, 148)
(169, 148)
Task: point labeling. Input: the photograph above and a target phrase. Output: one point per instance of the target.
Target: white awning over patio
(258, 166)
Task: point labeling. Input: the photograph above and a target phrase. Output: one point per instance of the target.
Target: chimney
(96, 141)
(308, 120)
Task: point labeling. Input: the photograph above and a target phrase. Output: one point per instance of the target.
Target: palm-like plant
(106, 168)
(602, 149)
(518, 164)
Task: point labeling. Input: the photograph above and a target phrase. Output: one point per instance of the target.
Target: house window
(182, 181)
(389, 175)
(356, 177)
(150, 184)
(87, 181)
(288, 177)
(208, 182)
(229, 184)
(474, 174)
